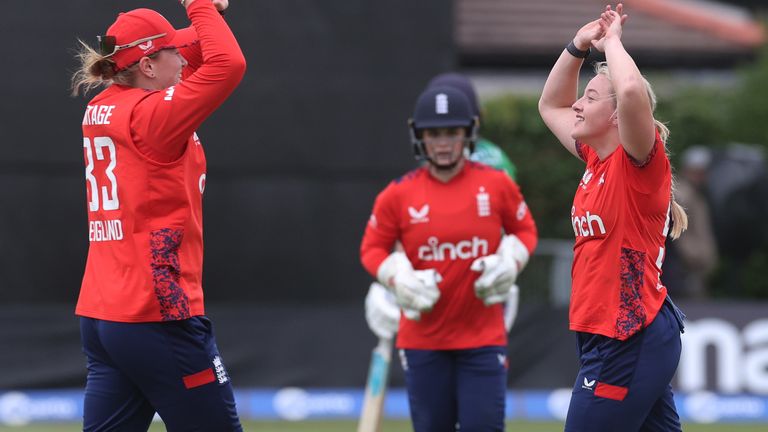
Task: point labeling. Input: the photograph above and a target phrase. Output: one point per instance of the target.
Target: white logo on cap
(441, 103)
(147, 46)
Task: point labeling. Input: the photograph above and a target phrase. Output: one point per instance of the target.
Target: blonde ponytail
(663, 131)
(679, 220)
(96, 70)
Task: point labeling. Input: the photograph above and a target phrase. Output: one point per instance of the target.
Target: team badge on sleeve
(521, 209)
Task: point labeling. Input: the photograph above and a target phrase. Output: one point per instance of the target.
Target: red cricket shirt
(446, 226)
(620, 217)
(145, 176)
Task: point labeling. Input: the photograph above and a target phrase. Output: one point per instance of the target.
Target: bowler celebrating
(628, 330)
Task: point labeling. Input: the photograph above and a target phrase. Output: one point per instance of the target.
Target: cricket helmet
(459, 82)
(441, 107)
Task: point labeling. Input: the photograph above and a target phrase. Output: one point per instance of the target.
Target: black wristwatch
(572, 50)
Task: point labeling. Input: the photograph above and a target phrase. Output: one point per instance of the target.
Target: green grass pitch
(389, 426)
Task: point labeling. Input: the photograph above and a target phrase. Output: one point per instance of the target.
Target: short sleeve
(649, 175)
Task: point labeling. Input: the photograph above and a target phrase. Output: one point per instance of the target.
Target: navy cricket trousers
(172, 368)
(447, 388)
(625, 385)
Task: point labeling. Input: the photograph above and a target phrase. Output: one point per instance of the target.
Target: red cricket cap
(139, 24)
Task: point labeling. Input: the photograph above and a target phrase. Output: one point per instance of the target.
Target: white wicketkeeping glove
(510, 307)
(416, 291)
(430, 278)
(381, 311)
(499, 271)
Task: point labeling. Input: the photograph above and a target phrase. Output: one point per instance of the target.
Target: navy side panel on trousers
(172, 368)
(450, 387)
(625, 385)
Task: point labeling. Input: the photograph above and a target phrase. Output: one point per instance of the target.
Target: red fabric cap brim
(181, 38)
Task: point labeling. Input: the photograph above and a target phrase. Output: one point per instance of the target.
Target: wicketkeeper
(466, 233)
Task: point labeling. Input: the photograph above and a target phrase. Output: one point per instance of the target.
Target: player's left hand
(499, 271)
(592, 30)
(496, 278)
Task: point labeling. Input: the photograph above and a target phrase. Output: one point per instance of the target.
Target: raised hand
(221, 5)
(611, 24)
(591, 31)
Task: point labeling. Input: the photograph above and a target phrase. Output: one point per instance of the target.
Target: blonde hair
(679, 217)
(97, 70)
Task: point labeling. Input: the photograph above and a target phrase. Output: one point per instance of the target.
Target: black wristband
(572, 50)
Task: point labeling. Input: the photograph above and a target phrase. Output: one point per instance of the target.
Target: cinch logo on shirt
(201, 183)
(586, 225)
(465, 249)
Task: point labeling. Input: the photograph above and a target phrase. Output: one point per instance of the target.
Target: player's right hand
(221, 5)
(381, 311)
(590, 32)
(430, 278)
(415, 291)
